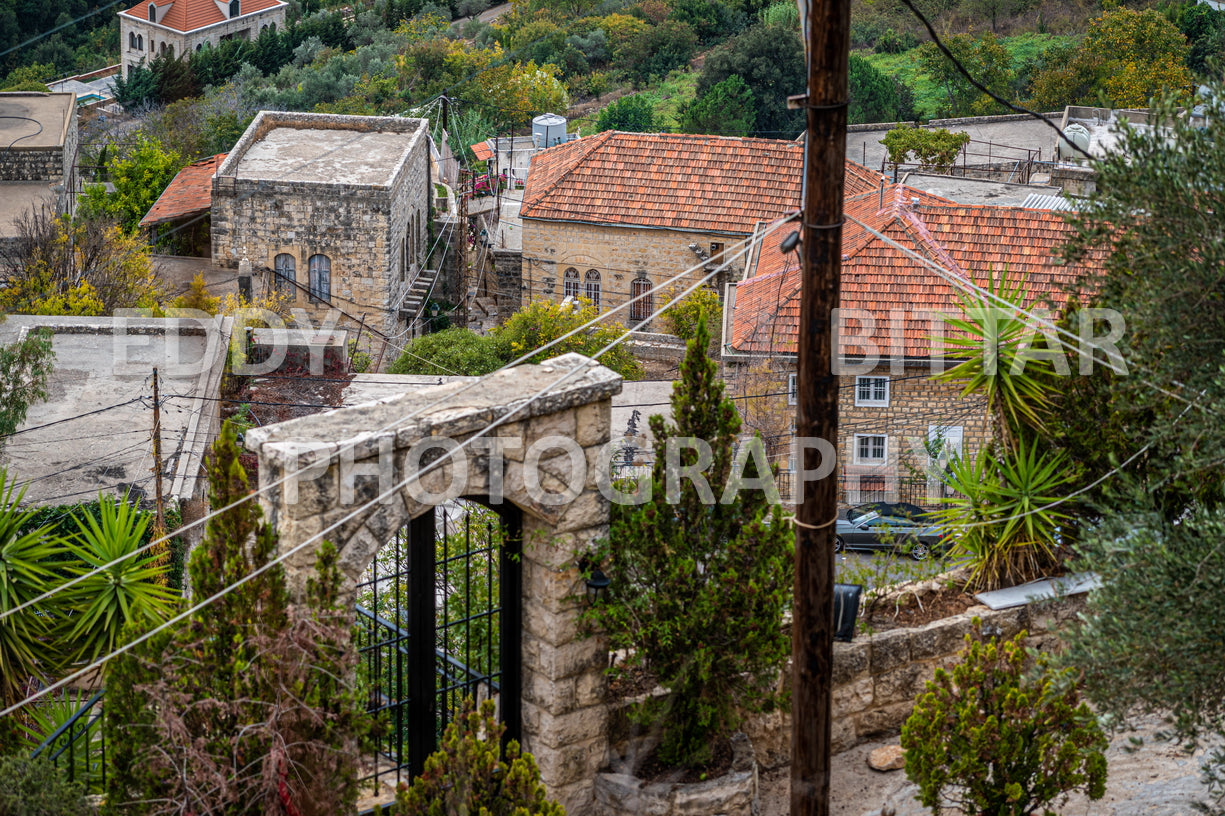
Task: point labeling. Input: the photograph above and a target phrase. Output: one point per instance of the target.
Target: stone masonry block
(884, 720)
(570, 763)
(553, 695)
(594, 423)
(557, 730)
(851, 660)
(572, 659)
(889, 650)
(896, 685)
(938, 638)
(854, 696)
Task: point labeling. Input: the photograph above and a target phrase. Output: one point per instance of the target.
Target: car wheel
(839, 544)
(919, 551)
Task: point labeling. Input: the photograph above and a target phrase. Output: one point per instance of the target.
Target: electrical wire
(439, 462)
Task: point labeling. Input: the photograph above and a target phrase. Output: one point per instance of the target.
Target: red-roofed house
(185, 203)
(178, 27)
(610, 216)
(900, 247)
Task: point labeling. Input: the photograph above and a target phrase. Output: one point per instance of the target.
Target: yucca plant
(1001, 518)
(45, 718)
(26, 560)
(991, 341)
(132, 591)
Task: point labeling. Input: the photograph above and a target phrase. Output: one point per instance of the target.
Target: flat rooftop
(93, 433)
(331, 156)
(977, 191)
(45, 119)
(18, 198)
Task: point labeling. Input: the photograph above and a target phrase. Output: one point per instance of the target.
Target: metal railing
(79, 746)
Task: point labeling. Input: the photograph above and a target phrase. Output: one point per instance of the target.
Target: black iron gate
(439, 620)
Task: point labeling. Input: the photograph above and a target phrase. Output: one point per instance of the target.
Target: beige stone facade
(885, 445)
(143, 40)
(330, 210)
(620, 256)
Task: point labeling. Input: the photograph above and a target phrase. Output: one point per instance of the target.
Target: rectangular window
(793, 389)
(871, 489)
(716, 252)
(944, 441)
(871, 449)
(872, 392)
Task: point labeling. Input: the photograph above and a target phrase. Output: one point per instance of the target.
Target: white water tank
(549, 129)
(1074, 134)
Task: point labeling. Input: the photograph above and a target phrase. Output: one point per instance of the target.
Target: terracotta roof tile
(900, 293)
(188, 15)
(482, 151)
(188, 193)
(676, 181)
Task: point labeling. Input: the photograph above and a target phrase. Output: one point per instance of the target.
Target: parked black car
(903, 509)
(873, 531)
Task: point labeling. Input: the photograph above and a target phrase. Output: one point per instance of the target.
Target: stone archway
(352, 457)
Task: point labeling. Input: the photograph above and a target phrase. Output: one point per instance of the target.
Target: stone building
(38, 161)
(177, 27)
(610, 216)
(330, 210)
(897, 425)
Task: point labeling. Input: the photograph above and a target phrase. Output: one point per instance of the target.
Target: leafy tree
(1147, 641)
(770, 60)
(29, 78)
(250, 701)
(79, 267)
(931, 148)
(139, 178)
(656, 50)
(711, 20)
(987, 61)
(993, 741)
(874, 96)
(1126, 57)
(450, 351)
(701, 306)
(1158, 395)
(25, 366)
(468, 774)
(684, 558)
(1204, 28)
(35, 787)
(139, 90)
(727, 109)
(543, 321)
(635, 114)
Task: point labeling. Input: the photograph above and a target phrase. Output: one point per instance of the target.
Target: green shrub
(682, 318)
(992, 740)
(468, 775)
(931, 148)
(543, 321)
(449, 352)
(34, 787)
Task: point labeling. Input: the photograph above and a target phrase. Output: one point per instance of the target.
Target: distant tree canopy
(770, 60)
(727, 109)
(85, 42)
(876, 97)
(985, 58)
(629, 113)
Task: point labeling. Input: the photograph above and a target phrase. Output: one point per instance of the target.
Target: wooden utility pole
(159, 523)
(827, 44)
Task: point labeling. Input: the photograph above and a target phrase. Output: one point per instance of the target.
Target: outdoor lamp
(597, 581)
(846, 610)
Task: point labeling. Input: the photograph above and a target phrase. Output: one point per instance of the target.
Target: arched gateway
(374, 470)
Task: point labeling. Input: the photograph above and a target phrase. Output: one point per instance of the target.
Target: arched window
(273, 27)
(161, 48)
(570, 283)
(199, 46)
(320, 268)
(235, 8)
(286, 274)
(170, 50)
(263, 28)
(152, 13)
(131, 39)
(593, 287)
(140, 42)
(640, 309)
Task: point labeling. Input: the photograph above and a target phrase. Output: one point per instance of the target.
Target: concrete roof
(93, 433)
(18, 198)
(330, 156)
(864, 145)
(45, 122)
(976, 191)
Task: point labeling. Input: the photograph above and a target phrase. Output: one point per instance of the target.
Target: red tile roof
(970, 242)
(189, 193)
(482, 151)
(188, 15)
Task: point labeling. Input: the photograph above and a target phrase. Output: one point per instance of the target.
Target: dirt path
(1157, 780)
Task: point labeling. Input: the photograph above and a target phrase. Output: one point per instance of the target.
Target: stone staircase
(414, 301)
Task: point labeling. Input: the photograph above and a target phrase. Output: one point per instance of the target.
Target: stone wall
(508, 267)
(619, 254)
(916, 404)
(878, 677)
(363, 229)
